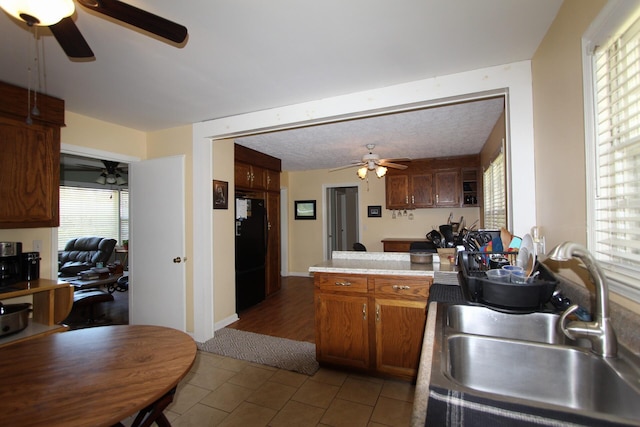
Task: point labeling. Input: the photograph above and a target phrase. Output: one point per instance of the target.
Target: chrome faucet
(599, 331)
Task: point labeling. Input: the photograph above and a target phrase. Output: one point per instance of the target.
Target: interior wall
(223, 244)
(306, 236)
(559, 125)
(171, 142)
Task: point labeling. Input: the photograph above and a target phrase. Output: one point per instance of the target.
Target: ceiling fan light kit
(39, 12)
(373, 162)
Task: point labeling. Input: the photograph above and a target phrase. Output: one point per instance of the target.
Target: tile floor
(220, 391)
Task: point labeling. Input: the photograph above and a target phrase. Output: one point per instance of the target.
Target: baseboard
(305, 274)
(225, 322)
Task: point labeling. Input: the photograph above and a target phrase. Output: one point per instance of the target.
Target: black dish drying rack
(505, 296)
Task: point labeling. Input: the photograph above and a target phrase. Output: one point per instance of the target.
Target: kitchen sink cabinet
(371, 322)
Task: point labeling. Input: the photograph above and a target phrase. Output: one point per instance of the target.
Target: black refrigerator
(251, 248)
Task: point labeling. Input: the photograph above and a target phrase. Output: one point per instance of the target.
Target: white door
(157, 288)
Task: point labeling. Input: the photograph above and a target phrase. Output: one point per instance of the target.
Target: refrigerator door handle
(238, 223)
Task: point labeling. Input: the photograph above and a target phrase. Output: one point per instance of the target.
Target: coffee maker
(10, 263)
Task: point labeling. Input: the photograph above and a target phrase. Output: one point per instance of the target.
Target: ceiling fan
(373, 162)
(57, 16)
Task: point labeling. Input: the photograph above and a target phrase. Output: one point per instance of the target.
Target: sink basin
(538, 327)
(570, 377)
(524, 359)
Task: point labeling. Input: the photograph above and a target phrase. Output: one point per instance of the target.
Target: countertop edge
(421, 395)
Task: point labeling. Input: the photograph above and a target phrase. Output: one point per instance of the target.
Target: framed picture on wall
(305, 209)
(374, 211)
(220, 194)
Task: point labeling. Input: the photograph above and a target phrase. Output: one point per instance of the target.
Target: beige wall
(305, 237)
(171, 142)
(224, 277)
(559, 125)
(559, 132)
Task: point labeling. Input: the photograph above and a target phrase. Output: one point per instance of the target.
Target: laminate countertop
(386, 263)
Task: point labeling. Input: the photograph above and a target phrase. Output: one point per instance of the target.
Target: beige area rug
(298, 356)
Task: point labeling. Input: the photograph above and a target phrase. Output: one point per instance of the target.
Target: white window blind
(92, 212)
(615, 213)
(494, 194)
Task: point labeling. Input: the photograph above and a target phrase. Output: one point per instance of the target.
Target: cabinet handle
(406, 199)
(413, 200)
(401, 287)
(248, 176)
(364, 311)
(343, 283)
(252, 177)
(268, 179)
(437, 199)
(377, 313)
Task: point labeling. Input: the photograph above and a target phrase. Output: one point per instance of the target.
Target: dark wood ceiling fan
(73, 42)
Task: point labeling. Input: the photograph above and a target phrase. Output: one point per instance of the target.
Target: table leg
(153, 413)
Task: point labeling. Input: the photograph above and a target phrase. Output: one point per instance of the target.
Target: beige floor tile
(200, 416)
(292, 379)
(272, 395)
(392, 412)
(252, 377)
(297, 414)
(316, 394)
(227, 397)
(330, 376)
(248, 414)
(399, 390)
(360, 391)
(186, 397)
(342, 413)
(210, 378)
(231, 364)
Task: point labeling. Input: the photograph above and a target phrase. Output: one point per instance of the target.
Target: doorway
(342, 218)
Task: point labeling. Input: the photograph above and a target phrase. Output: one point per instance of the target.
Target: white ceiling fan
(373, 162)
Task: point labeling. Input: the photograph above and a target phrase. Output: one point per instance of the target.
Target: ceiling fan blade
(70, 39)
(347, 166)
(393, 165)
(138, 18)
(399, 159)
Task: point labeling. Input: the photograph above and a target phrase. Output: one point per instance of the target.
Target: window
(93, 212)
(495, 206)
(613, 155)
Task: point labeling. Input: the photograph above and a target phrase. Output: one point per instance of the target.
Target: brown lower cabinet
(373, 323)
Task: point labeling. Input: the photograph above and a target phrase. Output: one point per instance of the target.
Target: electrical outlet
(37, 245)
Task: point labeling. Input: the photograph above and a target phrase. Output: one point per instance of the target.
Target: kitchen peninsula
(371, 310)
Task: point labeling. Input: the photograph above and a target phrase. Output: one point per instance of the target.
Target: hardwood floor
(289, 313)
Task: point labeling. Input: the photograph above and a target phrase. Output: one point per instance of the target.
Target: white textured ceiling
(249, 55)
(452, 130)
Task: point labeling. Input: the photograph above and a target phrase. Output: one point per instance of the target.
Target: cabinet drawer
(402, 287)
(341, 283)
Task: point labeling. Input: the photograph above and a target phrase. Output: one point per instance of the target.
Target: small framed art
(220, 194)
(374, 211)
(305, 209)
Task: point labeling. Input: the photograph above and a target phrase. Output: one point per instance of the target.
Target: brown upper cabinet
(30, 161)
(431, 183)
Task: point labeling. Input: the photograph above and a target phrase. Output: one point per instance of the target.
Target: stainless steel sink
(538, 327)
(569, 377)
(525, 359)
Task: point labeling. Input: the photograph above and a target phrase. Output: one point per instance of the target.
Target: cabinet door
(242, 175)
(400, 327)
(422, 190)
(258, 178)
(29, 175)
(273, 243)
(342, 336)
(397, 191)
(272, 180)
(447, 188)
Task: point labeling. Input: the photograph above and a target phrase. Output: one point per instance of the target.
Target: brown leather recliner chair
(82, 253)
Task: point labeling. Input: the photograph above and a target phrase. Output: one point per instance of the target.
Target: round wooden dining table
(92, 377)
